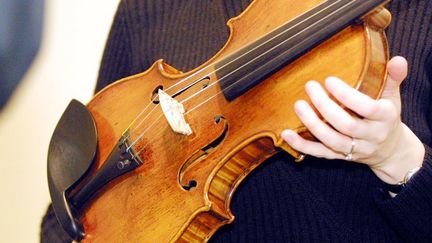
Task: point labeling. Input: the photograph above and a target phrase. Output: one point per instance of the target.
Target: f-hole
(192, 184)
(154, 96)
(201, 154)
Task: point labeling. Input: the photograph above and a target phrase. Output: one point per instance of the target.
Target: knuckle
(297, 144)
(381, 137)
(313, 125)
(372, 109)
(345, 96)
(321, 154)
(369, 151)
(337, 145)
(349, 125)
(318, 103)
(393, 115)
(388, 108)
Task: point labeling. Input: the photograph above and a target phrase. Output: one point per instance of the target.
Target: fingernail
(309, 86)
(332, 81)
(287, 135)
(299, 107)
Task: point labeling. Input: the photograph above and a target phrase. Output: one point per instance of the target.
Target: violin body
(183, 189)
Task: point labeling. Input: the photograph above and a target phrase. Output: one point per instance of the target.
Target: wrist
(408, 154)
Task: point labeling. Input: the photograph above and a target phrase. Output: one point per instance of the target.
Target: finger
(323, 132)
(356, 101)
(397, 70)
(334, 114)
(304, 146)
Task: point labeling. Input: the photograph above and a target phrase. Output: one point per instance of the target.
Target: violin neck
(247, 67)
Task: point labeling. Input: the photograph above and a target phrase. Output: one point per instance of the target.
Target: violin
(157, 156)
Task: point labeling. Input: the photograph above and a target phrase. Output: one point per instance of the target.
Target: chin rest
(71, 153)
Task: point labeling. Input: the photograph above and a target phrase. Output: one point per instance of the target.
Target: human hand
(379, 139)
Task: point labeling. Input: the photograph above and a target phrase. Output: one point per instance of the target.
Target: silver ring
(349, 155)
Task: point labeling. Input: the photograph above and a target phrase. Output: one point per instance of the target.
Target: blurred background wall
(66, 67)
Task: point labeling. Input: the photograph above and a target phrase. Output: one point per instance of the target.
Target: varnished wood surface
(149, 204)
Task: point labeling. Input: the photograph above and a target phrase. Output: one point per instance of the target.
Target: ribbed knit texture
(317, 200)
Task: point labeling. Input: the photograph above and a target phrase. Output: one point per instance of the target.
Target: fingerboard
(249, 66)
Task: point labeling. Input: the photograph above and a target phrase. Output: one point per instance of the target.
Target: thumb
(397, 72)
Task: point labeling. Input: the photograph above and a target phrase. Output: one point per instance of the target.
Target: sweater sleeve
(410, 212)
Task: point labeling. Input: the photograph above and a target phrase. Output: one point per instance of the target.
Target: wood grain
(149, 204)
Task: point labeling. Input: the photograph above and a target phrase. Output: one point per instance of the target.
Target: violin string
(217, 81)
(132, 125)
(193, 95)
(247, 63)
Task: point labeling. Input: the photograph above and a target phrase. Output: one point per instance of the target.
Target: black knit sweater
(317, 200)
